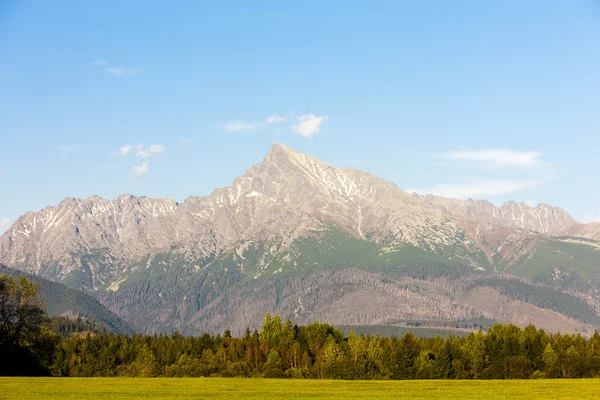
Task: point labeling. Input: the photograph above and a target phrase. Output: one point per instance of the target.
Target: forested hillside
(62, 300)
(32, 344)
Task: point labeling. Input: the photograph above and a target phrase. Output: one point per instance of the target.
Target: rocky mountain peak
(278, 148)
(287, 160)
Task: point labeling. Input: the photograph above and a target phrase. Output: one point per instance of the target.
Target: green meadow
(223, 388)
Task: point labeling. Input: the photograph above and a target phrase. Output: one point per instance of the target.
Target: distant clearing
(223, 388)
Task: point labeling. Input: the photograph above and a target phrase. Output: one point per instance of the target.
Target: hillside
(63, 301)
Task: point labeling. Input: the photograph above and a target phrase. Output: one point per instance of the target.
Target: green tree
(549, 358)
(407, 352)
(425, 365)
(26, 341)
(334, 361)
(475, 355)
(273, 367)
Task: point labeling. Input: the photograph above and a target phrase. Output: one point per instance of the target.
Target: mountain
(590, 231)
(541, 218)
(309, 241)
(63, 301)
(285, 197)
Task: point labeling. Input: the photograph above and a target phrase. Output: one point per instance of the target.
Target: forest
(32, 344)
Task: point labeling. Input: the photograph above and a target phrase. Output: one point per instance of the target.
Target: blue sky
(497, 100)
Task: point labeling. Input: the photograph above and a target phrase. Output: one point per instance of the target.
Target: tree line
(281, 349)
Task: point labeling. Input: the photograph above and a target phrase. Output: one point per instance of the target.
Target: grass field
(222, 388)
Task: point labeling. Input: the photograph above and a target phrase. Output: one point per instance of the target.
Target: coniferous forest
(32, 344)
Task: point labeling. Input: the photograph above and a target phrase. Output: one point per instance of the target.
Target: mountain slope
(589, 231)
(61, 300)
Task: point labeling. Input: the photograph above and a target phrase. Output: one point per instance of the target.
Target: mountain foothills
(68, 303)
(308, 241)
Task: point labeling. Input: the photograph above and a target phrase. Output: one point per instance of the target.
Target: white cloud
(275, 119)
(531, 203)
(124, 150)
(122, 72)
(309, 125)
(5, 221)
(116, 71)
(149, 151)
(141, 152)
(498, 157)
(139, 169)
(476, 189)
(239, 126)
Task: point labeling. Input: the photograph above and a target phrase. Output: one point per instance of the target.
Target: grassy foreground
(223, 388)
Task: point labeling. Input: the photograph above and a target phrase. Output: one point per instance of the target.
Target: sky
(496, 100)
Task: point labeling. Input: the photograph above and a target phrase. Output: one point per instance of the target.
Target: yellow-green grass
(224, 388)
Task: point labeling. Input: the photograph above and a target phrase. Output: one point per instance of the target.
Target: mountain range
(300, 238)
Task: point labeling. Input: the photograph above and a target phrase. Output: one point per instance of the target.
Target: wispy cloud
(116, 71)
(149, 151)
(124, 150)
(476, 189)
(239, 126)
(139, 170)
(122, 72)
(245, 126)
(308, 125)
(140, 150)
(498, 157)
(5, 221)
(275, 119)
